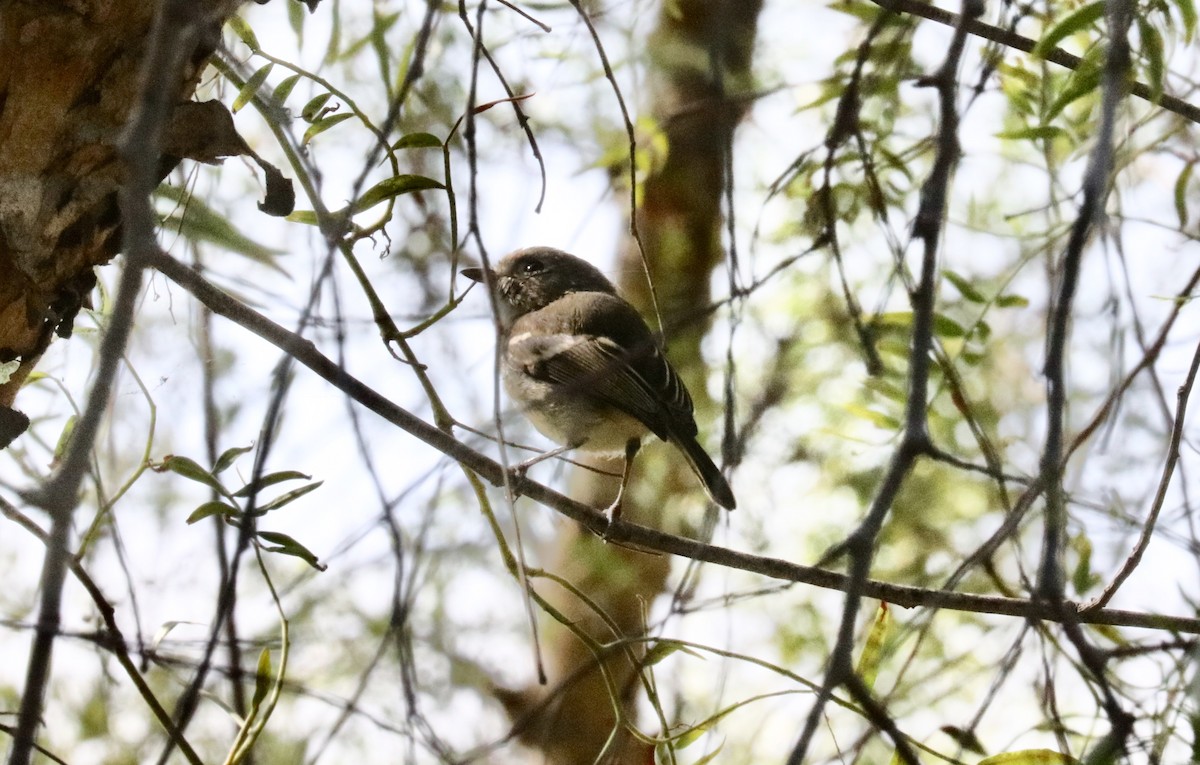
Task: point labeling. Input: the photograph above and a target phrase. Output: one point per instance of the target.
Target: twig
(307, 355)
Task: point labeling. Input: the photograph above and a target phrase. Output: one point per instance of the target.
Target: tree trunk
(69, 79)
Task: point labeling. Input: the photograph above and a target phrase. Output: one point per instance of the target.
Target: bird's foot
(613, 512)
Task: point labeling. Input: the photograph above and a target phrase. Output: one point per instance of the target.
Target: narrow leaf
(244, 33)
(190, 469)
(872, 653)
(262, 678)
(313, 107)
(288, 546)
(1181, 185)
(285, 88)
(271, 479)
(251, 87)
(1152, 49)
(1030, 757)
(1187, 13)
(321, 125)
(418, 141)
(289, 497)
(1075, 22)
(389, 188)
(228, 457)
(209, 509)
(964, 287)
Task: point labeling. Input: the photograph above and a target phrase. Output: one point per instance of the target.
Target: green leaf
(964, 287)
(872, 653)
(1075, 22)
(244, 33)
(190, 469)
(1187, 14)
(262, 678)
(1082, 82)
(390, 188)
(313, 108)
(228, 457)
(284, 89)
(194, 220)
(418, 141)
(662, 649)
(1181, 185)
(1012, 301)
(290, 496)
(1152, 49)
(1030, 757)
(307, 217)
(270, 480)
(64, 438)
(251, 88)
(285, 545)
(208, 509)
(944, 326)
(964, 738)
(1033, 133)
(321, 125)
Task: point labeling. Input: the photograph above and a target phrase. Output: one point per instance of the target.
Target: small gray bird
(582, 364)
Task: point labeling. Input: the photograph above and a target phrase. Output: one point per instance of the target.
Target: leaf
(964, 287)
(289, 497)
(288, 546)
(872, 653)
(390, 188)
(1012, 301)
(64, 438)
(190, 469)
(195, 220)
(321, 125)
(964, 738)
(511, 99)
(244, 33)
(1187, 13)
(313, 107)
(664, 648)
(944, 326)
(307, 217)
(1033, 133)
(285, 88)
(1074, 22)
(1181, 185)
(418, 141)
(1082, 82)
(209, 509)
(251, 87)
(228, 457)
(1030, 757)
(262, 678)
(271, 479)
(1152, 49)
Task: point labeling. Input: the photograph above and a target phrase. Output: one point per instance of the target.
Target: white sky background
(339, 521)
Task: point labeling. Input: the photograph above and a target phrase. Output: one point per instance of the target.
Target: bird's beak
(476, 275)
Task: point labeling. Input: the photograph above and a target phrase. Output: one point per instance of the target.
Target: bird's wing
(610, 355)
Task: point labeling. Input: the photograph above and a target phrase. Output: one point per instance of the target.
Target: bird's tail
(708, 473)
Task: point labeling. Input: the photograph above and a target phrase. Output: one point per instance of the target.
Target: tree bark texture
(69, 79)
(700, 56)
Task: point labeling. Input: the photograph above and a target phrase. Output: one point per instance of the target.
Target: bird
(583, 366)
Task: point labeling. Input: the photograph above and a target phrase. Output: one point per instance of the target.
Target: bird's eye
(532, 267)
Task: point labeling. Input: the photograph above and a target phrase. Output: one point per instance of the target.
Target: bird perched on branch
(581, 363)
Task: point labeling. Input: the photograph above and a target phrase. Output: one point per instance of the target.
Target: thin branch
(172, 39)
(629, 533)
